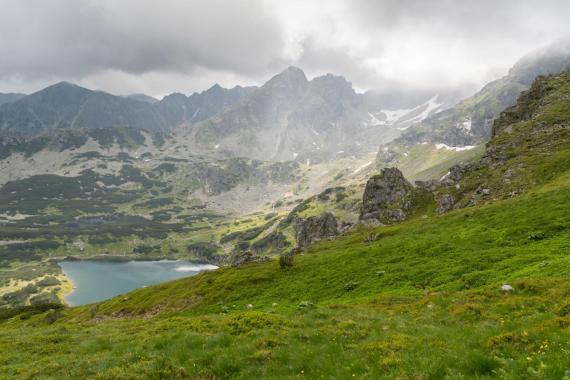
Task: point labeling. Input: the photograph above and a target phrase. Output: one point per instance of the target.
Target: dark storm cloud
(185, 45)
(79, 37)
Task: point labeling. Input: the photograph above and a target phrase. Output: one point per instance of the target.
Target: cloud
(187, 45)
(75, 38)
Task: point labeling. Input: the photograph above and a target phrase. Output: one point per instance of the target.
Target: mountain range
(288, 118)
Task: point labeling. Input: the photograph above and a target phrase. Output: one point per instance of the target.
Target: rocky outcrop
(445, 203)
(456, 173)
(387, 197)
(239, 258)
(429, 185)
(315, 228)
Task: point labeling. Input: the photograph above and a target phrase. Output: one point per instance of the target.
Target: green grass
(421, 301)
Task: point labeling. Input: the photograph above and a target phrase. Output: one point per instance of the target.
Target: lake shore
(92, 281)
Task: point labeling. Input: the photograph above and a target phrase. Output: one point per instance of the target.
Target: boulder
(387, 197)
(315, 228)
(445, 203)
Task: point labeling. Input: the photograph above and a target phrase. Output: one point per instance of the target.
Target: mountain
(67, 106)
(10, 97)
(290, 118)
(178, 109)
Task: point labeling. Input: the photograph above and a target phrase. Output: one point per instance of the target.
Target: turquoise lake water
(99, 280)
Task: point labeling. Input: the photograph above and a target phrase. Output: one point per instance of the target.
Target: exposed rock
(429, 186)
(507, 288)
(346, 227)
(387, 197)
(245, 257)
(456, 173)
(315, 228)
(445, 203)
(482, 190)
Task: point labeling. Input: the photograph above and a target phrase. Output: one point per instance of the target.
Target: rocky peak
(387, 197)
(331, 88)
(291, 78)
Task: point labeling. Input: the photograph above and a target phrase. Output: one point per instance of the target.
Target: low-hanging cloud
(186, 45)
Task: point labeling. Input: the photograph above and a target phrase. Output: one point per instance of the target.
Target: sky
(160, 47)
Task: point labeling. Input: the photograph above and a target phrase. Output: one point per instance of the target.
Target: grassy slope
(426, 301)
(424, 161)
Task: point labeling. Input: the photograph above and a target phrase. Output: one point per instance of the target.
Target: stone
(315, 228)
(387, 197)
(507, 288)
(445, 203)
(482, 190)
(429, 186)
(456, 173)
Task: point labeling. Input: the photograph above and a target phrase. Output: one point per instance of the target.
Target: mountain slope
(142, 98)
(9, 98)
(475, 293)
(469, 123)
(67, 106)
(178, 109)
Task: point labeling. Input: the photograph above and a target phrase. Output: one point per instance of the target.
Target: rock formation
(315, 228)
(387, 197)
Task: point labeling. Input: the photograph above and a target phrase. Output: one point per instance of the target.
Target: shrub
(536, 235)
(48, 281)
(564, 310)
(286, 260)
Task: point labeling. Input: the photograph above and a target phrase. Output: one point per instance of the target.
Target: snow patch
(399, 115)
(445, 176)
(362, 168)
(195, 268)
(454, 148)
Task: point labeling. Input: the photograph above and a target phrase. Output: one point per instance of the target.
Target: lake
(100, 280)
